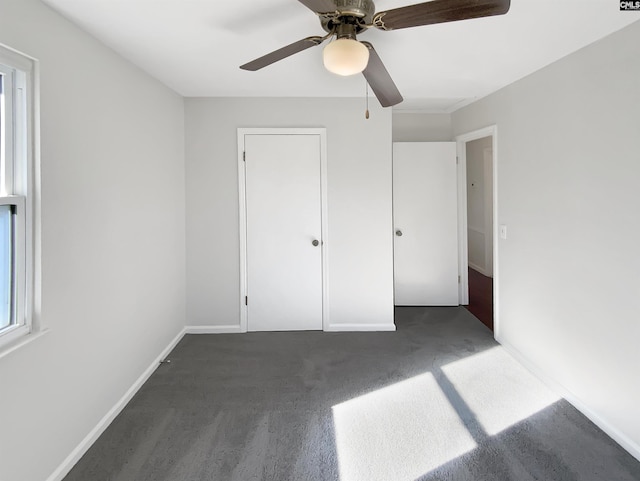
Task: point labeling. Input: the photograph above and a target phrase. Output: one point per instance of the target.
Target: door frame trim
(322, 133)
(463, 243)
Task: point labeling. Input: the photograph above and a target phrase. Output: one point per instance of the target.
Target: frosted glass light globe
(345, 57)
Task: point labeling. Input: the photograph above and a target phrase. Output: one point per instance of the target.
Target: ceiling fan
(345, 19)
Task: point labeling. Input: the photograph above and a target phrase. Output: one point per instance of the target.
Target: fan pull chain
(366, 112)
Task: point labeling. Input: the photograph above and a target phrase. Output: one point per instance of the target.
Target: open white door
(283, 232)
(425, 211)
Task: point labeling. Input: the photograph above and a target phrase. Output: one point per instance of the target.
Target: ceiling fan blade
(380, 81)
(320, 6)
(438, 11)
(281, 53)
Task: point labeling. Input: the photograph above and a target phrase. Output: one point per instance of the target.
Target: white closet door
(426, 224)
(284, 255)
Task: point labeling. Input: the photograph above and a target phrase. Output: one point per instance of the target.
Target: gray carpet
(436, 400)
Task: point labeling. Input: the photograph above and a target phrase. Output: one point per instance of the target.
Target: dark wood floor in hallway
(481, 297)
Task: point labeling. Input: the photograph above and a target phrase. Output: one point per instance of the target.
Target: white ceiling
(196, 46)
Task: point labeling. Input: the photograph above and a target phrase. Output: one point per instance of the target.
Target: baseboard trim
(361, 328)
(104, 423)
(331, 328)
(479, 269)
(622, 439)
(213, 330)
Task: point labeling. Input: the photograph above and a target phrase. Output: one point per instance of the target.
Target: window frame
(17, 153)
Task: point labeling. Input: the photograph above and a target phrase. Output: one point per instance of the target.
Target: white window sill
(20, 342)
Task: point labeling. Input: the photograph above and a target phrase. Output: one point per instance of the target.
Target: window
(16, 192)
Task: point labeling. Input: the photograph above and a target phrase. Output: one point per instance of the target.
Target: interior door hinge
(244, 156)
(457, 159)
(246, 300)
(459, 280)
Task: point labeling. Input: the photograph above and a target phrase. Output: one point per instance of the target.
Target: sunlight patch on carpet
(399, 432)
(498, 389)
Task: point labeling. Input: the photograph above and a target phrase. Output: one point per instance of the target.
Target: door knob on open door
(315, 243)
(399, 233)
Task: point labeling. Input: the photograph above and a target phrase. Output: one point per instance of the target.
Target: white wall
(113, 244)
(568, 153)
(360, 243)
(421, 127)
(479, 205)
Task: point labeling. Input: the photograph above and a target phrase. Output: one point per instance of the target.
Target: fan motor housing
(354, 12)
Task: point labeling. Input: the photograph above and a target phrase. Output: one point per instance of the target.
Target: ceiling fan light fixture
(345, 56)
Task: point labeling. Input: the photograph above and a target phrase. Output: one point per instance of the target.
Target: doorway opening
(478, 214)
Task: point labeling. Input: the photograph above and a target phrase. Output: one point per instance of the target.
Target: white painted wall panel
(477, 206)
(476, 244)
(112, 240)
(568, 170)
(421, 127)
(360, 245)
